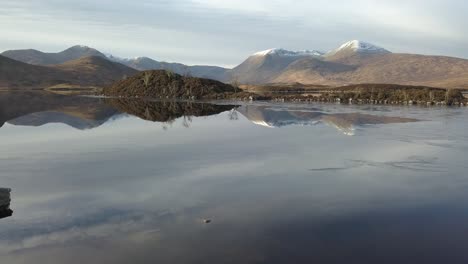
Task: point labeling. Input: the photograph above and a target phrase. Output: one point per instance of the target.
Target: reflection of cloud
(412, 163)
(135, 226)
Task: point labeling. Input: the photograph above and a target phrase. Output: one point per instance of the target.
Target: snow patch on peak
(123, 60)
(359, 46)
(115, 58)
(283, 52)
(81, 47)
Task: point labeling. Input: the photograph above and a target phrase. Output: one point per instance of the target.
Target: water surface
(125, 181)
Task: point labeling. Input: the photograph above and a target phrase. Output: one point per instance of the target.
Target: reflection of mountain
(47, 117)
(165, 111)
(345, 122)
(5, 200)
(38, 108)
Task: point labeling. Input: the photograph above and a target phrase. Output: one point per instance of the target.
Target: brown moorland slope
(404, 69)
(89, 71)
(96, 70)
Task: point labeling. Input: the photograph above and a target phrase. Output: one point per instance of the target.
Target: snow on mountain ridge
(359, 46)
(79, 47)
(121, 60)
(283, 52)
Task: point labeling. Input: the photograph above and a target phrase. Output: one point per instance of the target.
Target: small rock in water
(206, 221)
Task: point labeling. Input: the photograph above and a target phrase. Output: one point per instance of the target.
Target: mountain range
(36, 57)
(353, 62)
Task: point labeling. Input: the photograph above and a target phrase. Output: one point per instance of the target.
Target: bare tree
(187, 121)
(148, 114)
(235, 83)
(146, 78)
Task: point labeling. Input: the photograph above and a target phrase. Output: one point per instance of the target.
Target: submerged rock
(5, 201)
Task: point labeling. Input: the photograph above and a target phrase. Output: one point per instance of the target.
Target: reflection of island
(38, 108)
(345, 122)
(5, 200)
(166, 111)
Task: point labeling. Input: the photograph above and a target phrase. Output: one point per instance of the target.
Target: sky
(225, 32)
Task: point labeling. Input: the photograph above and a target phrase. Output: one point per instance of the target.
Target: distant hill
(201, 71)
(36, 57)
(18, 74)
(88, 71)
(390, 68)
(262, 66)
(96, 70)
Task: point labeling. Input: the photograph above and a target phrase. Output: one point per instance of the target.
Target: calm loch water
(126, 181)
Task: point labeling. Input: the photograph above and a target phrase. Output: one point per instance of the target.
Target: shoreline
(332, 95)
(277, 100)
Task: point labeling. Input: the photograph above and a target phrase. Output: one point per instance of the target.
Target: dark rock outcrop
(166, 84)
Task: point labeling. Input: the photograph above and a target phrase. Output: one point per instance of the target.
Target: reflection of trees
(233, 114)
(187, 121)
(167, 111)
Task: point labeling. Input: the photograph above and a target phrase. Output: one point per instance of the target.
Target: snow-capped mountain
(358, 46)
(353, 46)
(262, 65)
(284, 52)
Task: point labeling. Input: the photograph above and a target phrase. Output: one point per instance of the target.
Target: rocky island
(164, 84)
